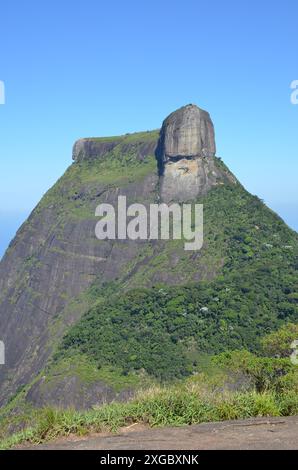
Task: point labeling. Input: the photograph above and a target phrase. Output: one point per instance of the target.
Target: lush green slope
(164, 330)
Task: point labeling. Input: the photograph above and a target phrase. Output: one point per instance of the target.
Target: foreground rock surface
(249, 434)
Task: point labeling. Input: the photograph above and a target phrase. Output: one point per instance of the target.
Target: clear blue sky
(92, 68)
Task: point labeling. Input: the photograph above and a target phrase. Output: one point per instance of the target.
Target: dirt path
(256, 433)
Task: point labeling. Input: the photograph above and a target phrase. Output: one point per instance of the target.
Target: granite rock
(187, 132)
(185, 154)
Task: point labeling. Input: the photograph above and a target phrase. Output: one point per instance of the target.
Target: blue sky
(91, 68)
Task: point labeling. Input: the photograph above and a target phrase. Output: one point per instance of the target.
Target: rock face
(70, 391)
(90, 149)
(187, 132)
(185, 154)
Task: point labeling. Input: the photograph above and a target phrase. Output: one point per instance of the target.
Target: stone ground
(255, 433)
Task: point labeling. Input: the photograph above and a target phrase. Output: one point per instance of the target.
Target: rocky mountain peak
(185, 153)
(187, 132)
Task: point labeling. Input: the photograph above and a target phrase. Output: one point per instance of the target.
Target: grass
(182, 404)
(82, 182)
(228, 386)
(144, 136)
(88, 373)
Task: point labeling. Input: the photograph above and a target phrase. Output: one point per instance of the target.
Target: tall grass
(178, 405)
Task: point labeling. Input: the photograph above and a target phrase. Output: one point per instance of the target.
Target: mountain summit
(185, 152)
(187, 133)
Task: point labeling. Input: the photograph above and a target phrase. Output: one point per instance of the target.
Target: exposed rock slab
(187, 132)
(185, 153)
(71, 392)
(249, 434)
(140, 144)
(183, 180)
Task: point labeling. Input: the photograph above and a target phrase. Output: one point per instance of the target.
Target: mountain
(86, 320)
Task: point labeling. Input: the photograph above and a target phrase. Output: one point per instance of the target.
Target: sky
(79, 68)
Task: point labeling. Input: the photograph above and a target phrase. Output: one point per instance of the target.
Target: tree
(278, 343)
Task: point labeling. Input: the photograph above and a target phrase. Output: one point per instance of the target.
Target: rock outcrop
(140, 144)
(84, 149)
(187, 133)
(185, 154)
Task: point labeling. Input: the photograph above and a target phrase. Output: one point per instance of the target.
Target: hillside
(85, 321)
(166, 332)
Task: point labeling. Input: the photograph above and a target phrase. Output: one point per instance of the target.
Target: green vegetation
(165, 329)
(277, 343)
(88, 372)
(237, 385)
(248, 267)
(86, 180)
(135, 137)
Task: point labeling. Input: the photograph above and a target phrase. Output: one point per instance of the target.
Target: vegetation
(251, 257)
(278, 343)
(165, 330)
(237, 385)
